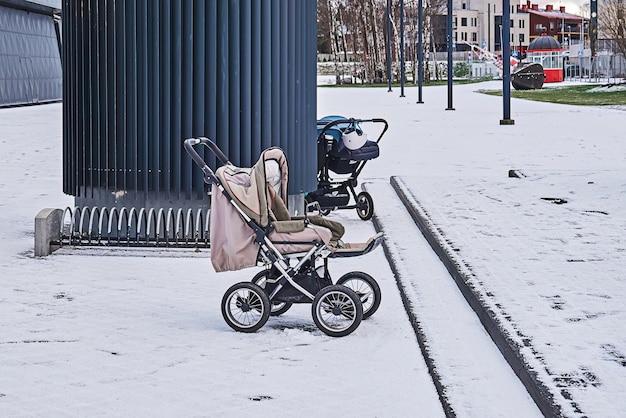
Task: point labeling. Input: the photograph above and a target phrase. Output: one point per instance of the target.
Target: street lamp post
(506, 63)
(420, 47)
(389, 44)
(402, 74)
(449, 48)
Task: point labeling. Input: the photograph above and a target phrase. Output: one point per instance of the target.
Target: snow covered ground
(128, 333)
(123, 333)
(546, 252)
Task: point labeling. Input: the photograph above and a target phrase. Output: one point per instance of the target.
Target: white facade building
(478, 22)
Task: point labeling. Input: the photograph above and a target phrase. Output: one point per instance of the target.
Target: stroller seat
(368, 151)
(343, 159)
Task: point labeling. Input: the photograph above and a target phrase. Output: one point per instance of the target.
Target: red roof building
(564, 27)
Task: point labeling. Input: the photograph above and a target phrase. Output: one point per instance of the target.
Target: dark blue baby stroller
(342, 151)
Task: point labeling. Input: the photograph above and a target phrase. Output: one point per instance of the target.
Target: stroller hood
(248, 186)
(232, 240)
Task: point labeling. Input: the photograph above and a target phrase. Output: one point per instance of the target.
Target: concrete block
(47, 230)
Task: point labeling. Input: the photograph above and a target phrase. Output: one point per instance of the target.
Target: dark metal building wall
(140, 76)
(30, 65)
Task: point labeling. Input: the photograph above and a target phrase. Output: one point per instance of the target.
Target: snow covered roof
(555, 14)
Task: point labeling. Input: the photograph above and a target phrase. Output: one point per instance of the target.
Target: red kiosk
(547, 51)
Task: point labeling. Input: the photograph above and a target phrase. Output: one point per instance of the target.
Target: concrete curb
(47, 230)
(540, 394)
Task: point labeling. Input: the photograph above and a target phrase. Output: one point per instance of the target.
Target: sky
(105, 332)
(571, 6)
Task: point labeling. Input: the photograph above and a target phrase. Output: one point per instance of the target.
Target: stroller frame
(246, 306)
(332, 194)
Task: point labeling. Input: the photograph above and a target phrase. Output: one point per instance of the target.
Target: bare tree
(323, 27)
(359, 27)
(612, 23)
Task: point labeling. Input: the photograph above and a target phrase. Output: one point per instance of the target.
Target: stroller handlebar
(189, 144)
(327, 125)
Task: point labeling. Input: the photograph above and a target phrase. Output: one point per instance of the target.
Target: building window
(464, 36)
(521, 24)
(463, 21)
(474, 37)
(521, 37)
(512, 23)
(464, 6)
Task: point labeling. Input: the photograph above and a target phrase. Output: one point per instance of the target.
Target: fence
(596, 69)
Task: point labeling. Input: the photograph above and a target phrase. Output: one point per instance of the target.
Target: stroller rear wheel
(278, 308)
(246, 307)
(337, 311)
(365, 206)
(366, 288)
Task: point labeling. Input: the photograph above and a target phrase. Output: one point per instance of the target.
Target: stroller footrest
(353, 250)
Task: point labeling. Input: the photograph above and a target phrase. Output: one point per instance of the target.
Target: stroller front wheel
(337, 311)
(365, 206)
(246, 307)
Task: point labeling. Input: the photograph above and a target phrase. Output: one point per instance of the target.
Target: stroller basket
(245, 229)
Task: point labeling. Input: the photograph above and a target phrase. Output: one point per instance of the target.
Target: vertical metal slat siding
(222, 133)
(234, 84)
(210, 89)
(143, 102)
(175, 114)
(255, 79)
(245, 106)
(266, 75)
(141, 75)
(165, 99)
(199, 81)
(186, 98)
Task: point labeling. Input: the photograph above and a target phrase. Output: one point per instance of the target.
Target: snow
(109, 332)
(140, 333)
(609, 88)
(552, 272)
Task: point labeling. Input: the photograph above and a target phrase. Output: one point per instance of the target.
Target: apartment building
(479, 22)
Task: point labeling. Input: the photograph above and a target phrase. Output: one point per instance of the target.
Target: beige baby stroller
(248, 226)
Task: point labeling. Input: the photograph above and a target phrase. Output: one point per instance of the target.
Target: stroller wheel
(278, 308)
(366, 288)
(337, 311)
(365, 206)
(245, 307)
